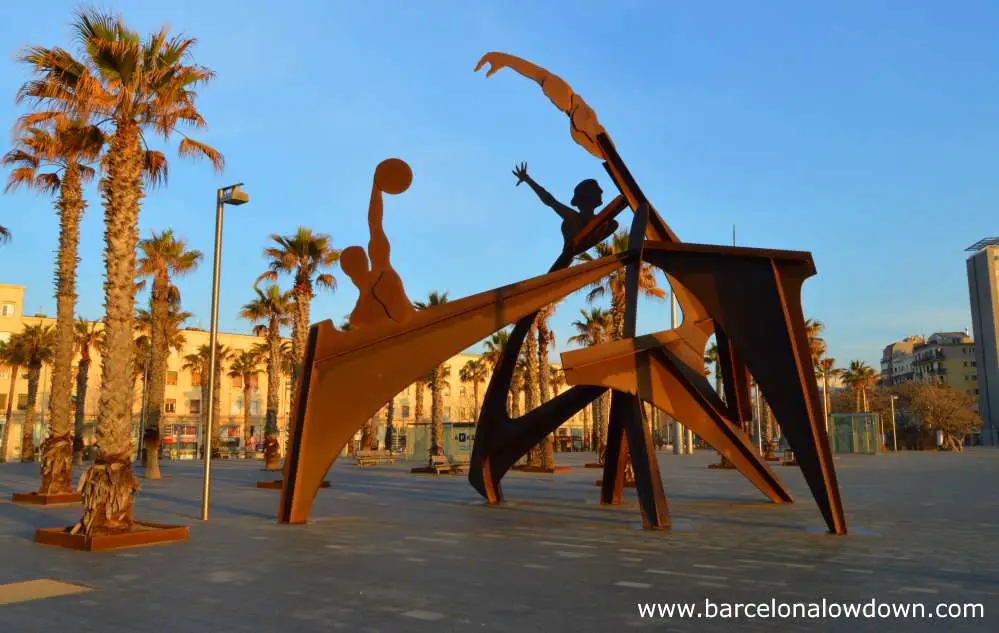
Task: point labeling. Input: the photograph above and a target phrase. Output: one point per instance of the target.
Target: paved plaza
(391, 551)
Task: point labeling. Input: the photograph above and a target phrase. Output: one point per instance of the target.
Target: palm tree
(437, 383)
(87, 335)
(304, 255)
(613, 284)
(595, 328)
(711, 358)
(12, 354)
(389, 427)
(529, 356)
(271, 310)
(39, 346)
(4, 235)
(495, 345)
(55, 157)
(198, 362)
(131, 84)
(816, 344)
(245, 367)
(163, 258)
(475, 372)
(546, 338)
(494, 348)
(860, 377)
(827, 369)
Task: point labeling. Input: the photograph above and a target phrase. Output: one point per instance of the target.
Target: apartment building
(947, 358)
(983, 290)
(897, 361)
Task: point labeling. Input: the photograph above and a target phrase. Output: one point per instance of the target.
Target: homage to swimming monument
(749, 299)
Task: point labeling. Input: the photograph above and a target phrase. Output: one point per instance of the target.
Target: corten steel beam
(627, 415)
(676, 385)
(501, 440)
(735, 381)
(353, 373)
(754, 295)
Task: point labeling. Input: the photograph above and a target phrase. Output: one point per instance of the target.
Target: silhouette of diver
(382, 294)
(586, 197)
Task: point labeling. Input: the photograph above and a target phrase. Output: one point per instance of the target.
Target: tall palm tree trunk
(217, 407)
(109, 485)
(437, 413)
(531, 391)
(272, 456)
(57, 450)
(547, 446)
(28, 428)
(156, 391)
(9, 414)
(475, 400)
(246, 410)
(389, 424)
(418, 404)
(82, 374)
(367, 433)
(605, 404)
(596, 438)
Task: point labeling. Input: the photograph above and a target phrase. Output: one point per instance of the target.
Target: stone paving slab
(390, 551)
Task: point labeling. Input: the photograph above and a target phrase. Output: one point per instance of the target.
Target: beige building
(897, 361)
(183, 406)
(947, 358)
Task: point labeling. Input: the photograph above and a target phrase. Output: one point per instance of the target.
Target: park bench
(366, 458)
(459, 464)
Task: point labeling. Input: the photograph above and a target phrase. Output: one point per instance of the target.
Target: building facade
(983, 290)
(947, 358)
(183, 404)
(897, 361)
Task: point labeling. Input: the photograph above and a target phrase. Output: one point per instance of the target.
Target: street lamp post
(226, 195)
(894, 432)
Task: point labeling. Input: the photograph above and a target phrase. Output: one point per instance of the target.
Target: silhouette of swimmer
(586, 197)
(382, 294)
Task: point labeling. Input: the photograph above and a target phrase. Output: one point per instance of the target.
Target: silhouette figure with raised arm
(583, 123)
(586, 197)
(382, 294)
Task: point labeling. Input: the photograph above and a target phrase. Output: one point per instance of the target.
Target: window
(4, 373)
(170, 406)
(254, 381)
(237, 381)
(236, 407)
(22, 402)
(405, 411)
(461, 391)
(976, 392)
(194, 407)
(254, 407)
(171, 378)
(195, 379)
(447, 413)
(7, 309)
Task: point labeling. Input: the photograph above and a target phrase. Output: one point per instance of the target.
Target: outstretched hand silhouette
(495, 60)
(520, 171)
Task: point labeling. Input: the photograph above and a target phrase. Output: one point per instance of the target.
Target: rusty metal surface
(748, 298)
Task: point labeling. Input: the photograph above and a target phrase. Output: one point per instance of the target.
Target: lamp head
(237, 196)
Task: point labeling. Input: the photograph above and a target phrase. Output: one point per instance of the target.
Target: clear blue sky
(866, 133)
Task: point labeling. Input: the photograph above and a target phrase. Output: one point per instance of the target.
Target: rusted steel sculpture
(667, 369)
(748, 298)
